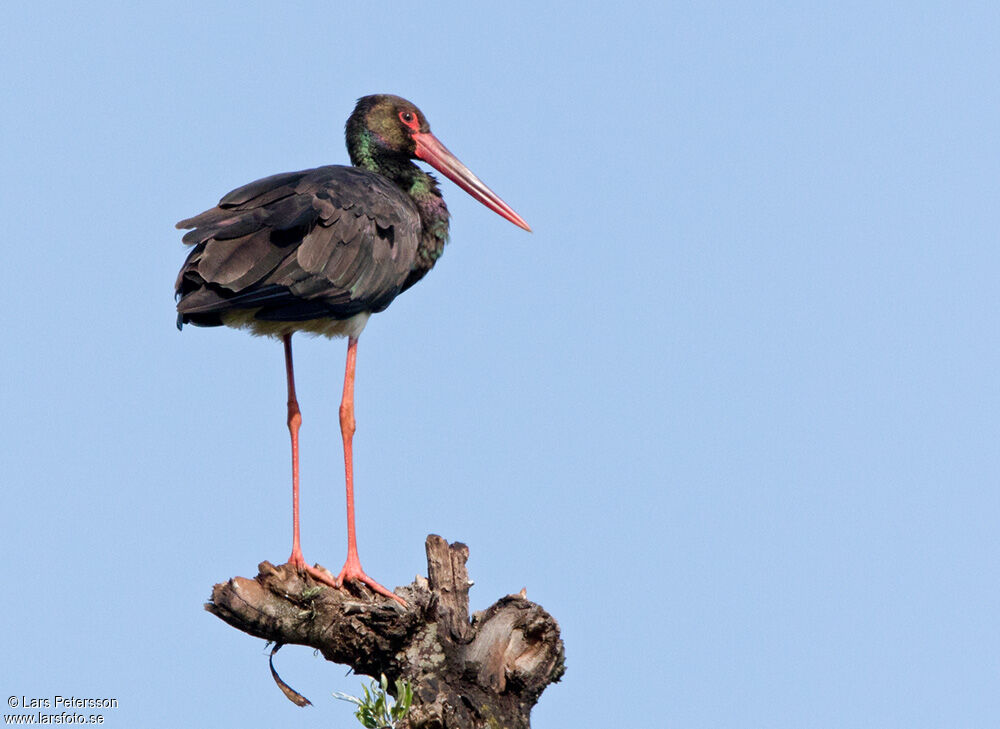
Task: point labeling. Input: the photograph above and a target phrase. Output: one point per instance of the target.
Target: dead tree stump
(486, 672)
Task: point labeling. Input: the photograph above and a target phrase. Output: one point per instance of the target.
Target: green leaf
(347, 697)
(378, 709)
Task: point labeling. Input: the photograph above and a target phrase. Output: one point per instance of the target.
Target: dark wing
(324, 243)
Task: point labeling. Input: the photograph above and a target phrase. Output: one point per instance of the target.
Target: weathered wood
(449, 584)
(486, 673)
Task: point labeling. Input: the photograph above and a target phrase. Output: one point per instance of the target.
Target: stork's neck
(422, 189)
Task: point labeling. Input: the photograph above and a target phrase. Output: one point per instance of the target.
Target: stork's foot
(320, 575)
(352, 571)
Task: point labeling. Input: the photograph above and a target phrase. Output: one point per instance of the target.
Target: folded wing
(324, 243)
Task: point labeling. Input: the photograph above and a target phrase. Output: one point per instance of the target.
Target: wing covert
(328, 242)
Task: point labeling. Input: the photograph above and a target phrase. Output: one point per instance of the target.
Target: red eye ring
(410, 120)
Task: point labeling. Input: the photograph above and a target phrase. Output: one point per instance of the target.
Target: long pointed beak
(431, 151)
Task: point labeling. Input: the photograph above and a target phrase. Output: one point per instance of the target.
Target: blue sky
(730, 413)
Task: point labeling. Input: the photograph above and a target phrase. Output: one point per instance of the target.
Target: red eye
(409, 119)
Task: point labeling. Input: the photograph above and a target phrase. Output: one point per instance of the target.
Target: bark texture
(486, 672)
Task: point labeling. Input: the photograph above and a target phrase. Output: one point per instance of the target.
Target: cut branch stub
(449, 585)
(487, 672)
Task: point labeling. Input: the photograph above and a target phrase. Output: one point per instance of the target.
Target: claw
(352, 571)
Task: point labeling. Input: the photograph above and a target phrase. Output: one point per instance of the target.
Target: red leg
(294, 421)
(352, 567)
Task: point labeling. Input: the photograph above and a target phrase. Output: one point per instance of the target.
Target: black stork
(321, 250)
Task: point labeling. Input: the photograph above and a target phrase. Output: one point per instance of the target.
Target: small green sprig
(378, 710)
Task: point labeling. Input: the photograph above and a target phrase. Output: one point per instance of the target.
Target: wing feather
(324, 243)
